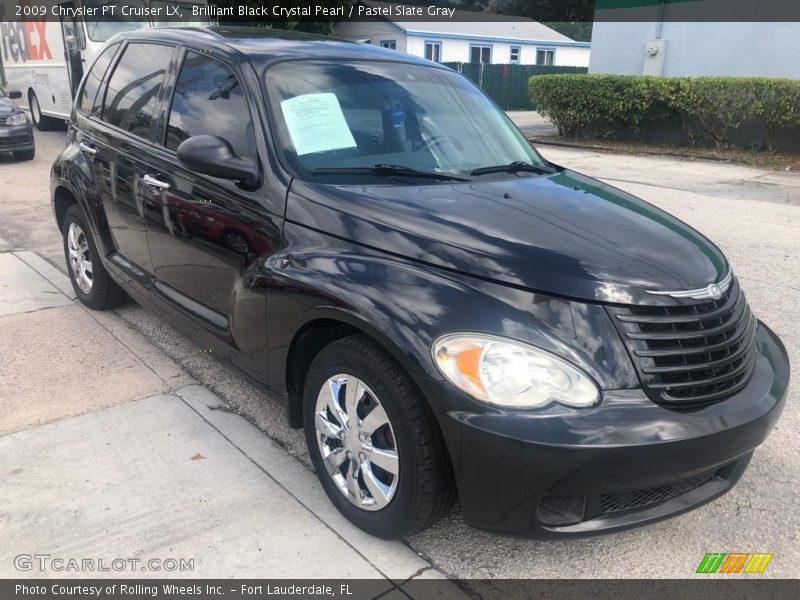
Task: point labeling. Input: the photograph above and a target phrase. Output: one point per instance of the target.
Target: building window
(390, 44)
(480, 54)
(513, 56)
(433, 51)
(545, 56)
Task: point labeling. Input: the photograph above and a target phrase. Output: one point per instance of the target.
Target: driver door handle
(156, 183)
(87, 148)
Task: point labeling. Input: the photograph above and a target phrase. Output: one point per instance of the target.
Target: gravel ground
(753, 215)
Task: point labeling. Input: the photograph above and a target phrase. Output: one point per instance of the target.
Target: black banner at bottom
(718, 588)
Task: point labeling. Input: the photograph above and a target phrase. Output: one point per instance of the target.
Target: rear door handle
(156, 183)
(87, 148)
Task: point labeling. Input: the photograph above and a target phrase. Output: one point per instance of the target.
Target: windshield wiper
(514, 167)
(387, 170)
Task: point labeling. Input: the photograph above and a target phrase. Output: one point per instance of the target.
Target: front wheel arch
(320, 328)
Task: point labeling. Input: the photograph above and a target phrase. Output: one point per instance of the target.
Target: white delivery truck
(44, 59)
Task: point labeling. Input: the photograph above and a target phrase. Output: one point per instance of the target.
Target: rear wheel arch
(62, 200)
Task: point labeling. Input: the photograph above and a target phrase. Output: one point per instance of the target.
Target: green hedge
(710, 108)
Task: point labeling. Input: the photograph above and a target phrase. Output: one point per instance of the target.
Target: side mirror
(214, 156)
(15, 95)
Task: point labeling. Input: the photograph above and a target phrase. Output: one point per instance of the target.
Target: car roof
(268, 46)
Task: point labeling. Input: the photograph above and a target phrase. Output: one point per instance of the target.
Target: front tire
(92, 284)
(374, 442)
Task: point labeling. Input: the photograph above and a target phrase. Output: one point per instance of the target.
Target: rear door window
(88, 102)
(134, 89)
(209, 100)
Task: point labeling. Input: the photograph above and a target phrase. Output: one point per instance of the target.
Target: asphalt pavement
(752, 214)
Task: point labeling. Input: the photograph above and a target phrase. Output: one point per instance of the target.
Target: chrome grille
(3, 120)
(691, 355)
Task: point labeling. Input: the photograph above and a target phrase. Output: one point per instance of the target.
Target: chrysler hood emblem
(713, 291)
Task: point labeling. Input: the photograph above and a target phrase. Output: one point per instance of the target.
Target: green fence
(508, 84)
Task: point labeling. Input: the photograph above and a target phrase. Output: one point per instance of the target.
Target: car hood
(564, 234)
(7, 107)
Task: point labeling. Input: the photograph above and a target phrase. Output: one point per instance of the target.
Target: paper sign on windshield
(316, 123)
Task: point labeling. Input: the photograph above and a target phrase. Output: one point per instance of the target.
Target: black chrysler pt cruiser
(447, 314)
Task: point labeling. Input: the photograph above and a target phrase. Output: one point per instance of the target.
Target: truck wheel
(25, 154)
(42, 122)
(374, 443)
(90, 280)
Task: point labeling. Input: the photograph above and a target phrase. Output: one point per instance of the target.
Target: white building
(499, 39)
(665, 40)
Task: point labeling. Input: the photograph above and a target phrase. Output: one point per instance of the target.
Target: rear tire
(40, 121)
(24, 154)
(407, 441)
(90, 280)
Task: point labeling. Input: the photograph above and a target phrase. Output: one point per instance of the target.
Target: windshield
(102, 28)
(349, 115)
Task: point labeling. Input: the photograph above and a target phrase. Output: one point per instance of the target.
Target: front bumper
(626, 462)
(16, 138)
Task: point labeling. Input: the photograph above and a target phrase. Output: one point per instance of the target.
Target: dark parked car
(16, 133)
(444, 311)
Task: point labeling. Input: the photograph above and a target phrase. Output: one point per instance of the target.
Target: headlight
(18, 119)
(509, 373)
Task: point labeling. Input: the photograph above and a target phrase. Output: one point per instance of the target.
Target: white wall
(572, 56)
(746, 49)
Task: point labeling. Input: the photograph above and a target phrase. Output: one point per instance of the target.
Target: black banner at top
(276, 12)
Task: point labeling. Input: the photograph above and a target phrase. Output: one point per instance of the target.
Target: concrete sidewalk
(110, 451)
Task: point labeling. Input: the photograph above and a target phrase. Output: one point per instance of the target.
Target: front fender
(405, 305)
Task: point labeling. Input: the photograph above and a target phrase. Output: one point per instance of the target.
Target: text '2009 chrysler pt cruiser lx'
(446, 313)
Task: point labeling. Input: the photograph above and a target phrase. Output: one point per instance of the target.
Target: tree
(580, 31)
(554, 11)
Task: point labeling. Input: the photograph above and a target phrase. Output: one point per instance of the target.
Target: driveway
(531, 123)
(753, 215)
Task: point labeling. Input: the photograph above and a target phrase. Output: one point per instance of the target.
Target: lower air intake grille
(561, 511)
(622, 501)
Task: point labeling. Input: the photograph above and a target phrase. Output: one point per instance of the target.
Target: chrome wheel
(357, 443)
(80, 258)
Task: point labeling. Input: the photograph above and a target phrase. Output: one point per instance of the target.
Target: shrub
(714, 107)
(598, 104)
(777, 104)
(710, 108)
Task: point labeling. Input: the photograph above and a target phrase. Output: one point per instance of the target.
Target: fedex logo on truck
(25, 41)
